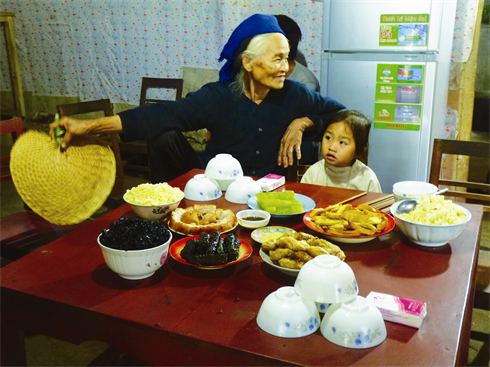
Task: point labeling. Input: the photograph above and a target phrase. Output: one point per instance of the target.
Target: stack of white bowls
(220, 172)
(330, 284)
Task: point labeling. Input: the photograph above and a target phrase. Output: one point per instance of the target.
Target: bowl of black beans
(134, 247)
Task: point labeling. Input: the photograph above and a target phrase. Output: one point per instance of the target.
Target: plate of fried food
(200, 218)
(210, 251)
(349, 223)
(291, 251)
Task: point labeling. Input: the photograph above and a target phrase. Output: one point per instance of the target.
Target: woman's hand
(73, 127)
(291, 141)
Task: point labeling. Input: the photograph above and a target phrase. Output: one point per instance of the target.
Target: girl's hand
(291, 141)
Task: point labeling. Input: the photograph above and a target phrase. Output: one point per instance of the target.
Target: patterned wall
(464, 29)
(101, 48)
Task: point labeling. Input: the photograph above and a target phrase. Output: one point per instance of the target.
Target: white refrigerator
(390, 59)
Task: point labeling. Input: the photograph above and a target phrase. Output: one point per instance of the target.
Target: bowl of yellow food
(153, 201)
(434, 222)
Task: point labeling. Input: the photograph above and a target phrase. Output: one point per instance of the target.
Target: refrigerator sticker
(408, 93)
(398, 103)
(403, 29)
(406, 74)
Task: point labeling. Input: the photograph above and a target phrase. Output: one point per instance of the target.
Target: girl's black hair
(360, 125)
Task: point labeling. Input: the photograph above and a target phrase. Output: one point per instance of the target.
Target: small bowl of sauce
(253, 218)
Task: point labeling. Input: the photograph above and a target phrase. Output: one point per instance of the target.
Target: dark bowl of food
(134, 247)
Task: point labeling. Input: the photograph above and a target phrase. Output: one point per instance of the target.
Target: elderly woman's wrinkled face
(270, 69)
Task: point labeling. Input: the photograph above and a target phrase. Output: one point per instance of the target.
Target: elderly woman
(252, 113)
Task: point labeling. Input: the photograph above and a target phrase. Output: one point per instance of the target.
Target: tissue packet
(398, 309)
(271, 182)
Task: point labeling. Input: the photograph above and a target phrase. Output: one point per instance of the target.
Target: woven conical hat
(62, 186)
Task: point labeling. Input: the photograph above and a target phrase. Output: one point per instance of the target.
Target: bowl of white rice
(434, 222)
(153, 201)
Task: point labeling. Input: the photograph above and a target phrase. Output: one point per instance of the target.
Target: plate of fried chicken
(291, 251)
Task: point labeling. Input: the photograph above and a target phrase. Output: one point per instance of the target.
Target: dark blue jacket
(249, 132)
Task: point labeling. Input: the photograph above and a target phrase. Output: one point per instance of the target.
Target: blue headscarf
(253, 25)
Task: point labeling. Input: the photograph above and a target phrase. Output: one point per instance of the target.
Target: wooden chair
(296, 171)
(123, 182)
(474, 192)
(159, 83)
(136, 152)
(24, 231)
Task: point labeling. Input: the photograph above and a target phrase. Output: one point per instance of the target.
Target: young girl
(345, 140)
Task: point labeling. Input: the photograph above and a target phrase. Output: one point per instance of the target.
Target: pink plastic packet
(398, 309)
(271, 182)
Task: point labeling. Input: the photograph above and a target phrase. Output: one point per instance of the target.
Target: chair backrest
(479, 191)
(159, 83)
(296, 171)
(101, 105)
(15, 127)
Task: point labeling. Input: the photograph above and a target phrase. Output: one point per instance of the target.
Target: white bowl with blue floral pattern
(326, 279)
(202, 188)
(355, 324)
(224, 168)
(285, 314)
(242, 189)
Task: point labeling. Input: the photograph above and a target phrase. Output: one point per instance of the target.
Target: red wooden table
(187, 316)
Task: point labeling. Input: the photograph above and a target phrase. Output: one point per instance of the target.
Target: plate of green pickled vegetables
(282, 204)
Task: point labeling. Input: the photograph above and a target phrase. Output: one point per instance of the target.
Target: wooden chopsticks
(382, 203)
(352, 198)
(379, 204)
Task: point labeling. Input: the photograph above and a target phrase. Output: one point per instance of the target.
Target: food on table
(435, 210)
(153, 194)
(293, 250)
(211, 249)
(283, 202)
(132, 233)
(348, 221)
(202, 218)
(270, 236)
